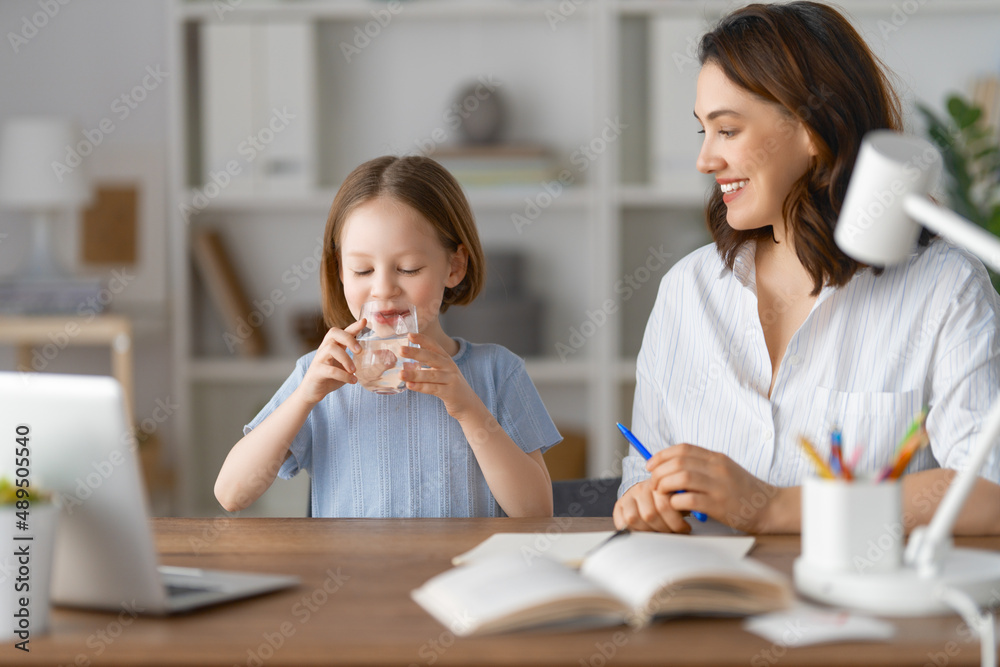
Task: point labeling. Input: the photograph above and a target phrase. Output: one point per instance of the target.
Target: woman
(772, 331)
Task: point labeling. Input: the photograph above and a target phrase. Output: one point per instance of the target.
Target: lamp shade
(39, 169)
(874, 226)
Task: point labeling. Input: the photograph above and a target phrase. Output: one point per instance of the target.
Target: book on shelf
(493, 165)
(226, 292)
(632, 578)
(258, 118)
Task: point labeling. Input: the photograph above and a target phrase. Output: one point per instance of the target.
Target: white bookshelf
(570, 72)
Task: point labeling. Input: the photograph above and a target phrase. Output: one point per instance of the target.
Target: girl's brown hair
(809, 60)
(427, 188)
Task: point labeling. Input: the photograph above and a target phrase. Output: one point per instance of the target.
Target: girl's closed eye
(410, 272)
(361, 272)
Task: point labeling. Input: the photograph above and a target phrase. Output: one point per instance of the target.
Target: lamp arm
(955, 228)
(929, 545)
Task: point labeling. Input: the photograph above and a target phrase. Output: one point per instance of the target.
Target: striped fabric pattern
(403, 455)
(867, 358)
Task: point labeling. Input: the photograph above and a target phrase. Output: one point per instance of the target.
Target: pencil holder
(852, 526)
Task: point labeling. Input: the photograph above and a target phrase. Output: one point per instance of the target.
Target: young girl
(467, 436)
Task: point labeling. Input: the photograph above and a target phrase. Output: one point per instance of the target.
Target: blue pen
(644, 453)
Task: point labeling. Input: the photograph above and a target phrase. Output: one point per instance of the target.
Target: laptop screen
(82, 450)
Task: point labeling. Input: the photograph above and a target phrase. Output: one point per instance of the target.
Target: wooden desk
(353, 607)
(55, 332)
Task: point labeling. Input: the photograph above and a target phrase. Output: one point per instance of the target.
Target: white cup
(852, 526)
(26, 570)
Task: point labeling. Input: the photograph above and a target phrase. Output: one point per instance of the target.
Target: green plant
(9, 493)
(971, 157)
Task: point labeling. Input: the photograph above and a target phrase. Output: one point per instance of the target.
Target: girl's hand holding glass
(437, 374)
(332, 367)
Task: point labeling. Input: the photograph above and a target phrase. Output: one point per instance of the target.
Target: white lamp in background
(29, 148)
(885, 206)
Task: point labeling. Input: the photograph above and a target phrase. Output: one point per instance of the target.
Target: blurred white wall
(102, 63)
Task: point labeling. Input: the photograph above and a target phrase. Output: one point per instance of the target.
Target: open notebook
(632, 578)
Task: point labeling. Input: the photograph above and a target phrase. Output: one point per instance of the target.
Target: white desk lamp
(879, 225)
(31, 149)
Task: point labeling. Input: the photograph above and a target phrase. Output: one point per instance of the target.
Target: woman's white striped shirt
(867, 358)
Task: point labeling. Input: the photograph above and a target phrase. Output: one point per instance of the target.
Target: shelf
(308, 202)
(229, 371)
(355, 10)
(625, 370)
(552, 371)
(502, 198)
(567, 69)
(687, 194)
(711, 8)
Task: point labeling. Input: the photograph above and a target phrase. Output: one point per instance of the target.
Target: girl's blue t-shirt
(403, 455)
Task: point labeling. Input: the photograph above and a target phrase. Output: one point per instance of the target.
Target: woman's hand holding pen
(717, 486)
(437, 374)
(642, 507)
(332, 367)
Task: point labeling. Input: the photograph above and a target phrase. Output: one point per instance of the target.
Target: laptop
(83, 451)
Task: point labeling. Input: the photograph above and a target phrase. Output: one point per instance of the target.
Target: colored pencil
(821, 465)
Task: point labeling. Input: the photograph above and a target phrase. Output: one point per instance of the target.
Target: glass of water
(385, 333)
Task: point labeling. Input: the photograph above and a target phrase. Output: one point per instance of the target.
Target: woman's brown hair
(806, 58)
(426, 187)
